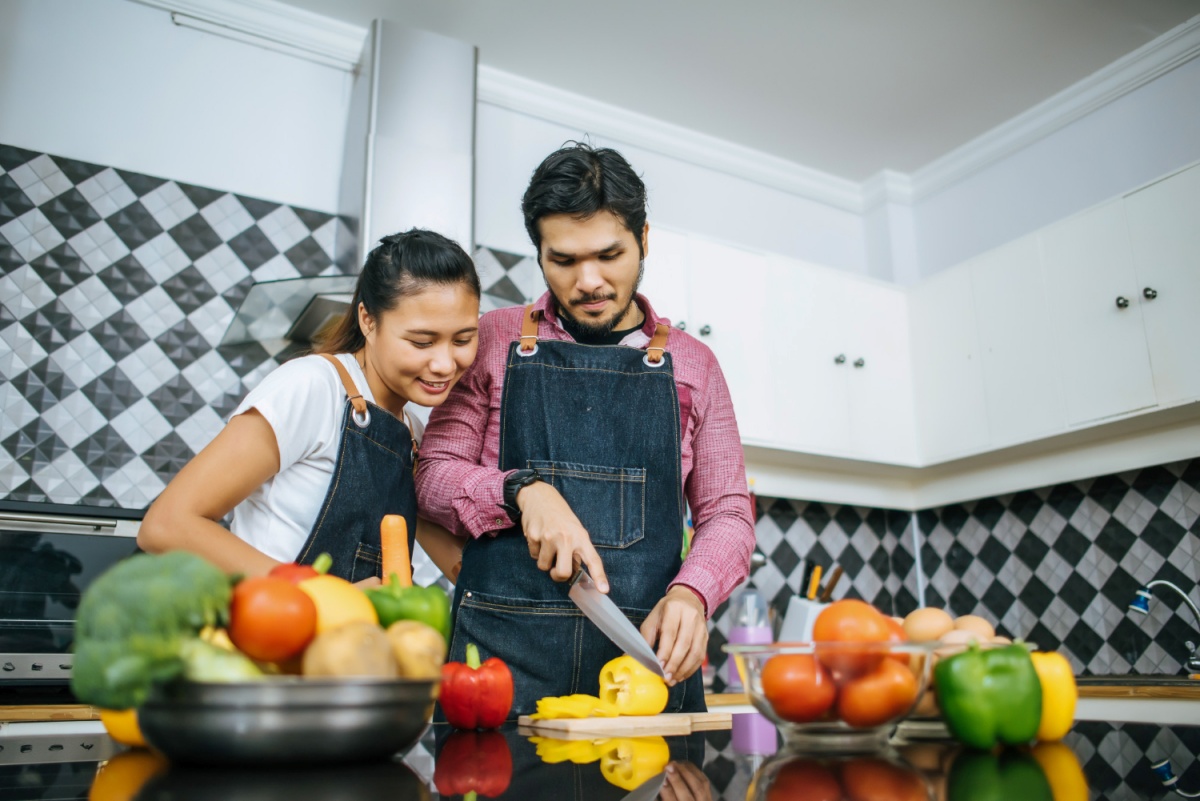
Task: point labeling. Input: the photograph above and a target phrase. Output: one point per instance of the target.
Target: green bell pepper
(429, 605)
(976, 776)
(990, 695)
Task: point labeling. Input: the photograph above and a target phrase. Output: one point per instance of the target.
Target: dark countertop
(1114, 758)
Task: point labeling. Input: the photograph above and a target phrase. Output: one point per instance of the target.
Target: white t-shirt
(304, 402)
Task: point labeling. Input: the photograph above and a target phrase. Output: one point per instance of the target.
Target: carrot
(393, 546)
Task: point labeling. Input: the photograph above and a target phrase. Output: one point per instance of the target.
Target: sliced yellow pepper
(628, 762)
(573, 706)
(1059, 695)
(579, 752)
(632, 688)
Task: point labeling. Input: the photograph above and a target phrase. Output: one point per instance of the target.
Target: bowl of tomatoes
(845, 691)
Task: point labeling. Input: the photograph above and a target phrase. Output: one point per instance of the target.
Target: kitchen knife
(601, 610)
(647, 790)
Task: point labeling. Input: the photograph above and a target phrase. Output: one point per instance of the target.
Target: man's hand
(685, 782)
(677, 624)
(557, 540)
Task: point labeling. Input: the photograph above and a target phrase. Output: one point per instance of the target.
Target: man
(573, 439)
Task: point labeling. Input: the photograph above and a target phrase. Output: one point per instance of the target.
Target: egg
(974, 623)
(957, 640)
(998, 640)
(927, 625)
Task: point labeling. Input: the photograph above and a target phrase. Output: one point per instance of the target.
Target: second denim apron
(373, 477)
(600, 424)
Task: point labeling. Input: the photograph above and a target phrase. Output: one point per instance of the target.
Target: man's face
(592, 267)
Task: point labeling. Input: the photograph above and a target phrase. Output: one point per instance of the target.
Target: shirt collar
(637, 338)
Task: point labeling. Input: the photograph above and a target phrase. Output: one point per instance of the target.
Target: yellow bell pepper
(579, 752)
(632, 688)
(554, 707)
(1059, 695)
(628, 762)
(1063, 771)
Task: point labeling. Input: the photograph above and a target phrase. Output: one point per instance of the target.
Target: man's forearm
(463, 497)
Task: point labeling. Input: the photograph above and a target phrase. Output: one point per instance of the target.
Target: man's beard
(588, 327)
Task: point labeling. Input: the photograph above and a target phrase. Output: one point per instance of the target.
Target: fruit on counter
(295, 573)
(357, 648)
(394, 601)
(628, 762)
(990, 696)
(1063, 771)
(474, 694)
(419, 650)
(122, 726)
(133, 620)
(1009, 775)
(271, 619)
(632, 688)
(798, 687)
(804, 779)
(883, 694)
(1059, 695)
(205, 662)
(474, 763)
(123, 777)
(579, 705)
(928, 624)
(338, 602)
(851, 620)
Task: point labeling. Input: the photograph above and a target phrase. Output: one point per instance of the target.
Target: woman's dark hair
(580, 180)
(401, 264)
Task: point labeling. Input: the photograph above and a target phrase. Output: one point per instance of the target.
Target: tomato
(873, 779)
(850, 620)
(804, 780)
(290, 571)
(271, 619)
(896, 634)
(883, 694)
(798, 687)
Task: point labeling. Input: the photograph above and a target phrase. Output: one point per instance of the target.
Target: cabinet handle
(681, 325)
(1122, 302)
(705, 330)
(839, 359)
(1149, 294)
(859, 362)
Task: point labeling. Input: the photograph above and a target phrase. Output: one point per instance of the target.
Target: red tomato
(271, 619)
(290, 571)
(804, 780)
(873, 779)
(876, 698)
(798, 687)
(896, 633)
(850, 620)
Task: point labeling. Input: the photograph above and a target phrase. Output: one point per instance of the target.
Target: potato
(419, 650)
(927, 624)
(982, 628)
(358, 648)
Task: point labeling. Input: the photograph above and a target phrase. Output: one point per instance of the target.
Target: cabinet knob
(705, 330)
(1122, 302)
(859, 362)
(1149, 294)
(839, 359)
(681, 325)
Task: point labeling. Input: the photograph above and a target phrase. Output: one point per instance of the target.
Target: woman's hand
(678, 624)
(557, 540)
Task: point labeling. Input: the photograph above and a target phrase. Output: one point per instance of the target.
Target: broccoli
(134, 619)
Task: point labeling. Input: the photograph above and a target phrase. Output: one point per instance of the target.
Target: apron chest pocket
(610, 502)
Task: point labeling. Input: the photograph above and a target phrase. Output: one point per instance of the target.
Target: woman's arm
(443, 548)
(184, 517)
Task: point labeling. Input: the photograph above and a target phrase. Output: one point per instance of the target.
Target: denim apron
(600, 424)
(373, 477)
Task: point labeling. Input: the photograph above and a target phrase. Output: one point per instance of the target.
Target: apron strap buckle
(529, 331)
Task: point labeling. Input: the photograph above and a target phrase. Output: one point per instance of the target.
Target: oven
(49, 554)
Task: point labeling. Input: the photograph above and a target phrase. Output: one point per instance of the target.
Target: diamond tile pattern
(115, 287)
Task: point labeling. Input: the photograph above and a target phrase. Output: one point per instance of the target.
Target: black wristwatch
(513, 483)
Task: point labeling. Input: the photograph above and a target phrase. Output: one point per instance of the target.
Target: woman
(322, 449)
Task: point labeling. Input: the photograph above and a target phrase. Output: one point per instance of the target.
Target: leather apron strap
(355, 397)
(529, 335)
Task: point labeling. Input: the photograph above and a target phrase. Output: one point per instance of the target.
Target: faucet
(1141, 605)
(1167, 776)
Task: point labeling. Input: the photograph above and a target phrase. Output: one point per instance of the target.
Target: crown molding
(273, 25)
(1175, 47)
(887, 186)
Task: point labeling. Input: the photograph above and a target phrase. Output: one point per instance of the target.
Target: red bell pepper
(473, 762)
(474, 695)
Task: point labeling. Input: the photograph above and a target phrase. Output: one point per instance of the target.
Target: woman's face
(417, 350)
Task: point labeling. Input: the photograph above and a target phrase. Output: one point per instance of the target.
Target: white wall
(1137, 138)
(116, 83)
(682, 196)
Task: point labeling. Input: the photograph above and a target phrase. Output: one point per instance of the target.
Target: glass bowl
(837, 696)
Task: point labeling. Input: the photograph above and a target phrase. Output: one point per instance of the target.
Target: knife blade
(601, 610)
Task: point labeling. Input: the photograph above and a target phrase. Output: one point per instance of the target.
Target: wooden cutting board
(667, 724)
(47, 712)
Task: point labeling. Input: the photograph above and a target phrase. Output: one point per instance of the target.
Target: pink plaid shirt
(460, 487)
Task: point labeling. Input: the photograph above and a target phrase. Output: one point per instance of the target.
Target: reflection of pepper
(428, 605)
(989, 696)
(1059, 695)
(579, 752)
(989, 777)
(474, 695)
(1063, 771)
(632, 688)
(555, 707)
(473, 762)
(628, 762)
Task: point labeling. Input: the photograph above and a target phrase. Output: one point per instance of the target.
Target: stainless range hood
(408, 161)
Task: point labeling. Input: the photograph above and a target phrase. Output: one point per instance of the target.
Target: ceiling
(847, 87)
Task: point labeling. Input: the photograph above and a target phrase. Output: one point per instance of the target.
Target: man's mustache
(593, 299)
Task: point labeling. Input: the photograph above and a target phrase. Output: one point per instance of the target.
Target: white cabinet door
(1022, 377)
(664, 281)
(1101, 347)
(1164, 228)
(948, 390)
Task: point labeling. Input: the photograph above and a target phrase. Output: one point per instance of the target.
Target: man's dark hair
(580, 180)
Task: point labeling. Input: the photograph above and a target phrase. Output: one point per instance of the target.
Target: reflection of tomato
(876, 698)
(850, 620)
(798, 688)
(871, 779)
(271, 619)
(804, 780)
